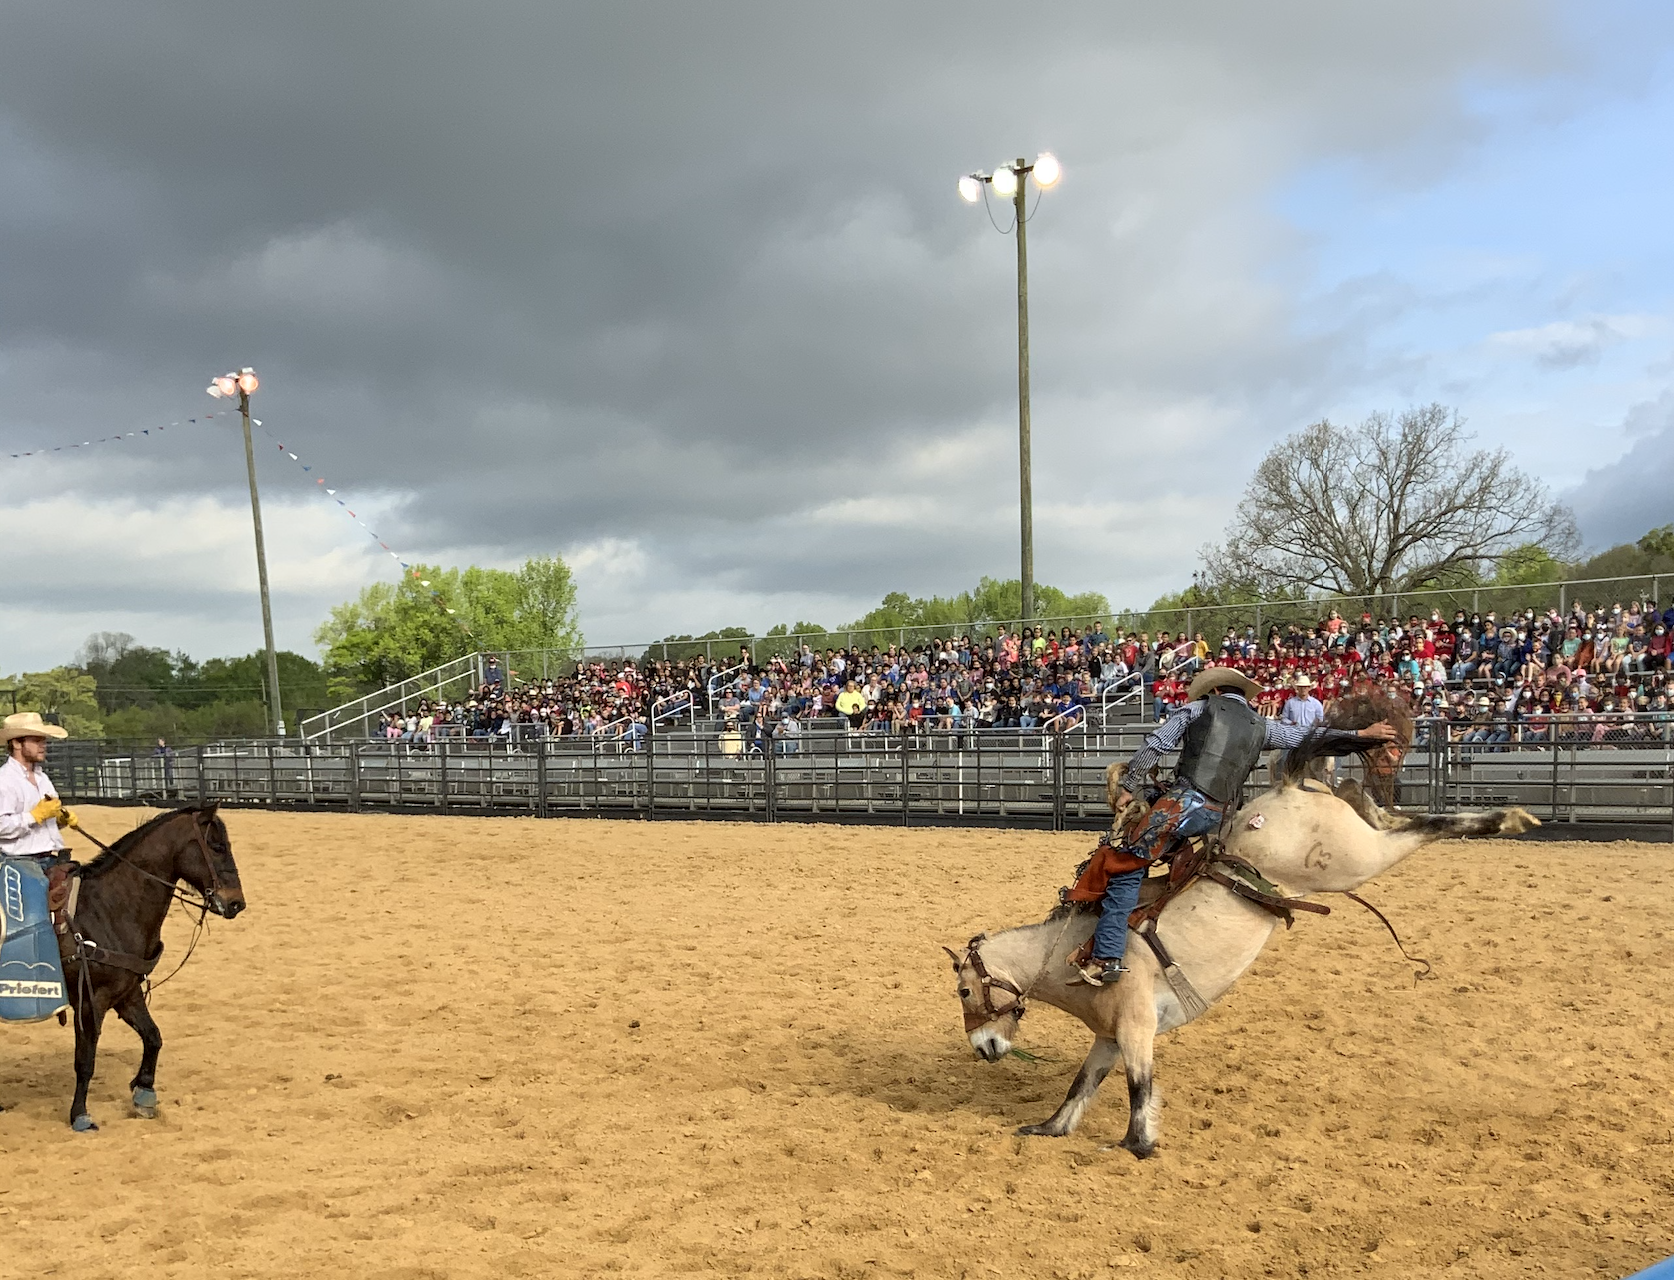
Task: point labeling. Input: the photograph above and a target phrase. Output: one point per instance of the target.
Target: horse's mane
(126, 843)
(1367, 707)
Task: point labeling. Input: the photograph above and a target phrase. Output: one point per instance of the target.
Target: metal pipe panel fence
(988, 778)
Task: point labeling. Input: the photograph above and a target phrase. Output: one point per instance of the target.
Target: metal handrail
(719, 680)
(658, 715)
(1080, 722)
(390, 698)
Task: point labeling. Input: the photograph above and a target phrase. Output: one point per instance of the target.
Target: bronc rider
(1220, 738)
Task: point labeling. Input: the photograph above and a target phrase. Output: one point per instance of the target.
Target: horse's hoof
(84, 1124)
(1139, 1151)
(145, 1104)
(1039, 1131)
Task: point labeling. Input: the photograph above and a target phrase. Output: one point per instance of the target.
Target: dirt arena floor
(450, 1047)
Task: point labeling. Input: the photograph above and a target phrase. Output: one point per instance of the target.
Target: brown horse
(114, 940)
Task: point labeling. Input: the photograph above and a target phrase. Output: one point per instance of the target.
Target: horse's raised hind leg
(1100, 1058)
(88, 1022)
(1494, 822)
(1136, 1036)
(134, 1012)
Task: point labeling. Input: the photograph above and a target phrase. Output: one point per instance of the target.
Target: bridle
(990, 1013)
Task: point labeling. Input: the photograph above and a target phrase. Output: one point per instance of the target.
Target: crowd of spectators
(1599, 674)
(1042, 680)
(1595, 675)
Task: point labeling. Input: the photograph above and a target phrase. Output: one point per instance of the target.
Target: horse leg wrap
(145, 1100)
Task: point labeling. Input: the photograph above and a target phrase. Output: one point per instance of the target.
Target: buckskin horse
(1300, 836)
(114, 939)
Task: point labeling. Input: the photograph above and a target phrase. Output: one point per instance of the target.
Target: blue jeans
(1180, 813)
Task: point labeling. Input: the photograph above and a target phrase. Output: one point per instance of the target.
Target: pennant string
(138, 432)
(407, 569)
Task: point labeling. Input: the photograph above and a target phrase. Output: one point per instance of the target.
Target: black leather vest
(1222, 745)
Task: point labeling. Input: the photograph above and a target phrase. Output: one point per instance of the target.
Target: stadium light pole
(1011, 181)
(242, 384)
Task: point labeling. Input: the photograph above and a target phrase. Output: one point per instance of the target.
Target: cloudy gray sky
(685, 292)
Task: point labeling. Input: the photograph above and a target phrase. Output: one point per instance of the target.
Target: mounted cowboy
(31, 816)
(1220, 737)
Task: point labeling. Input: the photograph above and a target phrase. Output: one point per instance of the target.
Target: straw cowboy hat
(1212, 678)
(1303, 682)
(28, 724)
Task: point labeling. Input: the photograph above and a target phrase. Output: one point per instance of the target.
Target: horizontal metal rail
(992, 777)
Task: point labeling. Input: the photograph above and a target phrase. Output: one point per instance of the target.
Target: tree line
(1374, 510)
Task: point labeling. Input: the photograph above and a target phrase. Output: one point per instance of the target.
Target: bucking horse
(108, 918)
(1298, 839)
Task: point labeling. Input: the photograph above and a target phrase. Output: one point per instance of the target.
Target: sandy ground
(447, 1047)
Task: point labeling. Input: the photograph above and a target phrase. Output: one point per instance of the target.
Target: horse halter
(973, 957)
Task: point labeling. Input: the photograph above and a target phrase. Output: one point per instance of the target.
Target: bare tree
(104, 648)
(1388, 506)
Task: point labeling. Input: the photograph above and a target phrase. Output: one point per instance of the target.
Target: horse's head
(206, 863)
(991, 1027)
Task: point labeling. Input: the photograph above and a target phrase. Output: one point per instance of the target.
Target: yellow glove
(50, 807)
(67, 818)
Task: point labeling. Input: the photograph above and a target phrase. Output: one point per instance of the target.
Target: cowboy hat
(1212, 678)
(28, 724)
(1303, 682)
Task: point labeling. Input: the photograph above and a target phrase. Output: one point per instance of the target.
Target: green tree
(991, 601)
(1529, 564)
(395, 630)
(1659, 542)
(64, 695)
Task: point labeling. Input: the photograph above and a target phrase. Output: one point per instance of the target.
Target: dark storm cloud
(1619, 502)
(688, 274)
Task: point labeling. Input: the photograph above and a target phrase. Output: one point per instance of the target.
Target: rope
(1418, 974)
